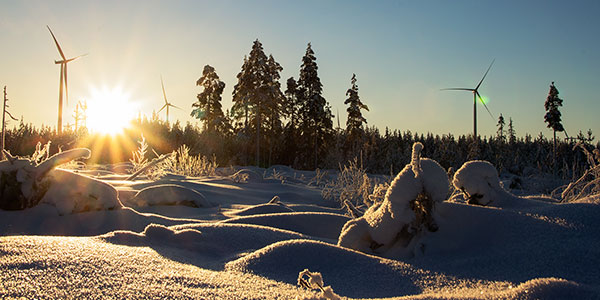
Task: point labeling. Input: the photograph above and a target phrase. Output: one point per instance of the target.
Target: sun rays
(110, 111)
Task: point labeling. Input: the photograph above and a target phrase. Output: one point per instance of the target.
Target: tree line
(270, 125)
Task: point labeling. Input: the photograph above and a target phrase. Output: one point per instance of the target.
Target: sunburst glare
(110, 111)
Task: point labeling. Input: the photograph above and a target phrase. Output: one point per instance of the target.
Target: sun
(109, 111)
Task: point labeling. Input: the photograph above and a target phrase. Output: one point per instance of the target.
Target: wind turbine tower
(63, 80)
(476, 95)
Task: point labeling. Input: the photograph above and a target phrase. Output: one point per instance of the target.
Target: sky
(402, 52)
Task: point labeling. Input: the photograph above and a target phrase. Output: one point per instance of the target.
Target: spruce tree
(553, 115)
(241, 96)
(208, 107)
(512, 135)
(274, 104)
(257, 96)
(354, 124)
(316, 124)
(500, 131)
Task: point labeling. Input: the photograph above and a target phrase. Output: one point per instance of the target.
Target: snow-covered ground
(224, 237)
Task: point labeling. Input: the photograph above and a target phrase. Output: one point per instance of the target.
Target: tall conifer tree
(316, 117)
(553, 115)
(208, 107)
(354, 124)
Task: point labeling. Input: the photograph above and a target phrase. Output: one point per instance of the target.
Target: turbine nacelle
(476, 96)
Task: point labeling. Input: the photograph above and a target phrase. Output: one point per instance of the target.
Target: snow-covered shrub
(479, 182)
(589, 183)
(314, 281)
(392, 227)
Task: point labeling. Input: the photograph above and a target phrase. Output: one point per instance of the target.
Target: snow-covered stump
(393, 227)
(25, 182)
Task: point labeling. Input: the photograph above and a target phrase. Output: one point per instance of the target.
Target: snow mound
(407, 209)
(216, 243)
(322, 225)
(73, 193)
(169, 194)
(267, 208)
(346, 271)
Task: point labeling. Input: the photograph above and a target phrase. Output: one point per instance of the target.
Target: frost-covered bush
(392, 227)
(589, 183)
(353, 185)
(183, 163)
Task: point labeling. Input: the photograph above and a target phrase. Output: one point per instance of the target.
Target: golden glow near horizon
(110, 111)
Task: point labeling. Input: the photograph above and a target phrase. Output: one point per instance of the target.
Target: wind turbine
(167, 104)
(63, 79)
(476, 95)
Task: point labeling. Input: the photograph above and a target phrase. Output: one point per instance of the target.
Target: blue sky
(403, 53)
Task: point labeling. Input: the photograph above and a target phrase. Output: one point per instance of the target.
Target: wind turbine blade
(161, 108)
(458, 89)
(174, 106)
(163, 89)
(486, 108)
(486, 72)
(76, 57)
(66, 85)
(57, 45)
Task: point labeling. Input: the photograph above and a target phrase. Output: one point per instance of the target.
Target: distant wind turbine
(63, 79)
(167, 104)
(476, 95)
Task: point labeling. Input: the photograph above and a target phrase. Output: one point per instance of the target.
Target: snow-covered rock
(407, 209)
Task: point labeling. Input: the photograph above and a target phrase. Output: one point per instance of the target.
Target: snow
(246, 246)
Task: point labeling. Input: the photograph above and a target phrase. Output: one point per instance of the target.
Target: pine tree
(553, 115)
(354, 124)
(316, 118)
(500, 132)
(208, 107)
(512, 135)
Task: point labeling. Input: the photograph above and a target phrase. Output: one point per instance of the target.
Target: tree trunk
(258, 135)
(554, 155)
